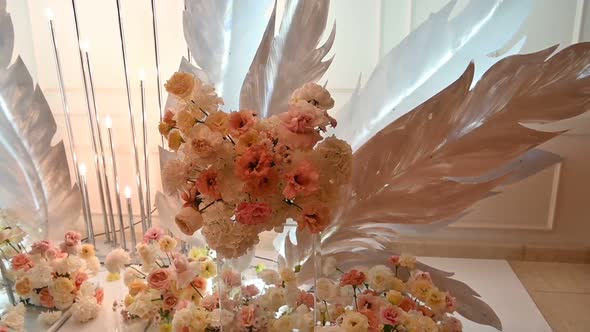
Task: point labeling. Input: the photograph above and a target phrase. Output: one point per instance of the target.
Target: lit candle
(146, 164)
(130, 213)
(108, 122)
(86, 203)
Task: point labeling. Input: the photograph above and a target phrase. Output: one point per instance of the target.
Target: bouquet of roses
(58, 276)
(380, 299)
(164, 281)
(239, 175)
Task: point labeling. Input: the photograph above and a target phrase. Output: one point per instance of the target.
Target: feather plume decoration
(405, 78)
(219, 34)
(34, 173)
(289, 60)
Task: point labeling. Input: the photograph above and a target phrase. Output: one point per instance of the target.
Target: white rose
(270, 277)
(142, 304)
(85, 309)
(380, 278)
(87, 289)
(182, 318)
(325, 289)
(40, 274)
(49, 317)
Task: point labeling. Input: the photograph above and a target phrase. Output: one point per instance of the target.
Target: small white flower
(14, 317)
(40, 274)
(116, 260)
(49, 317)
(314, 94)
(85, 309)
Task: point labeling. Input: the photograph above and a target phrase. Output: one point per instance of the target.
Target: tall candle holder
(148, 197)
(157, 55)
(131, 223)
(109, 124)
(107, 187)
(86, 204)
(130, 109)
(64, 101)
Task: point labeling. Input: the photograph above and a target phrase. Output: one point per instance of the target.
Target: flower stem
(356, 306)
(143, 274)
(195, 288)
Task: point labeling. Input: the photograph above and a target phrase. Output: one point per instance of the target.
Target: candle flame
(127, 192)
(49, 13)
(108, 122)
(142, 74)
(82, 169)
(85, 45)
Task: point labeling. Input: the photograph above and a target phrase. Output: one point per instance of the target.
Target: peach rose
(303, 180)
(180, 84)
(390, 315)
(316, 217)
(249, 213)
(189, 220)
(21, 261)
(136, 286)
(219, 122)
(45, 298)
(353, 278)
(247, 316)
(240, 122)
(159, 279)
(208, 184)
(255, 163)
(372, 318)
(23, 286)
(79, 279)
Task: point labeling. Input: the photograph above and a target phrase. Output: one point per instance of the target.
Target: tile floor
(561, 292)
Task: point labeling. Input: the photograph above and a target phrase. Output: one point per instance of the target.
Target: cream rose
(355, 322)
(189, 220)
(380, 278)
(180, 84)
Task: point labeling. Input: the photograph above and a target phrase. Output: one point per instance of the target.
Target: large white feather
(289, 60)
(223, 36)
(34, 173)
(428, 60)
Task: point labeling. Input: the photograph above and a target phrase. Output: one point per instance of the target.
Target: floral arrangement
(164, 281)
(379, 299)
(240, 175)
(57, 277)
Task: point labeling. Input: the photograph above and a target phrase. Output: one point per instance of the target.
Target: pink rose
(21, 261)
(210, 302)
(353, 278)
(40, 247)
(231, 278)
(394, 260)
(72, 239)
(315, 216)
(372, 318)
(247, 316)
(80, 278)
(169, 302)
(390, 315)
(153, 234)
(208, 184)
(421, 276)
(451, 324)
(159, 279)
(450, 303)
(250, 290)
(51, 253)
(253, 213)
(306, 299)
(200, 283)
(302, 118)
(240, 122)
(302, 180)
(182, 304)
(45, 298)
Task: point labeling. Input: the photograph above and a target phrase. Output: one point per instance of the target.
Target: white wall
(549, 208)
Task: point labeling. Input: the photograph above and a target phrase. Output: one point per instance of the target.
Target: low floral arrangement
(240, 175)
(383, 301)
(57, 277)
(164, 281)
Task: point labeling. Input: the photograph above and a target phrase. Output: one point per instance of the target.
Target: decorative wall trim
(549, 223)
(578, 21)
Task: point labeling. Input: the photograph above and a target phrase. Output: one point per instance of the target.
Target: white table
(494, 280)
